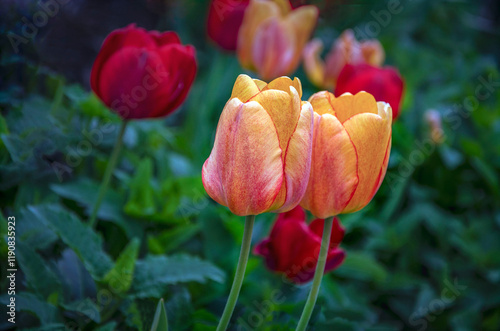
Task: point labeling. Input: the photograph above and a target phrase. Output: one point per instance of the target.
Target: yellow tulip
(272, 37)
(351, 147)
(262, 151)
(346, 49)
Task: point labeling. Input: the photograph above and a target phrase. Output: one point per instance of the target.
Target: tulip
(385, 84)
(293, 245)
(351, 147)
(433, 119)
(262, 151)
(143, 74)
(272, 36)
(224, 21)
(346, 49)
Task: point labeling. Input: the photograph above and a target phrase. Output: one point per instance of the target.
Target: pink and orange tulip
(262, 151)
(351, 147)
(272, 36)
(346, 49)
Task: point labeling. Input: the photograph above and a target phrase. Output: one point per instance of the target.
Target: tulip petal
(302, 21)
(348, 105)
(284, 109)
(130, 36)
(257, 12)
(283, 84)
(273, 49)
(313, 64)
(297, 161)
(333, 178)
(244, 171)
(370, 135)
(338, 231)
(245, 88)
(322, 102)
(373, 52)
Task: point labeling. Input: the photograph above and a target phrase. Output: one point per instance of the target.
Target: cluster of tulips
(273, 151)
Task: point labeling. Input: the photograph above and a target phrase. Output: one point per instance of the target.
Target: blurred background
(423, 255)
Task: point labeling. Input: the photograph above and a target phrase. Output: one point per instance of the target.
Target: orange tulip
(261, 157)
(351, 147)
(346, 49)
(272, 36)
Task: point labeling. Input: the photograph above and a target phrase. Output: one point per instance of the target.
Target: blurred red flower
(143, 74)
(385, 84)
(293, 246)
(224, 21)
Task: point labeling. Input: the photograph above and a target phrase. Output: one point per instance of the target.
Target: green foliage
(423, 255)
(160, 321)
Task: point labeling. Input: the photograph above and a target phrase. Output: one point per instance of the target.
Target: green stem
(318, 275)
(107, 174)
(238, 276)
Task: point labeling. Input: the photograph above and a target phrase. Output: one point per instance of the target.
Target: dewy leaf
(120, 277)
(38, 275)
(160, 321)
(85, 307)
(153, 273)
(78, 236)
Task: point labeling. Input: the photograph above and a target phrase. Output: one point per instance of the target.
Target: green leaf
(85, 307)
(38, 274)
(171, 239)
(111, 326)
(120, 277)
(362, 266)
(160, 321)
(84, 190)
(155, 272)
(78, 236)
(141, 199)
(45, 312)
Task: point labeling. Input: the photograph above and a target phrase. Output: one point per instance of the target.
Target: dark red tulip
(385, 84)
(143, 74)
(224, 21)
(293, 246)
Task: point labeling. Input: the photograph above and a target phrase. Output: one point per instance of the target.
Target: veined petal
(334, 165)
(283, 84)
(370, 134)
(244, 171)
(322, 103)
(284, 109)
(244, 88)
(298, 161)
(348, 105)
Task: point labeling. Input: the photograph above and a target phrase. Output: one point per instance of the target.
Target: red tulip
(143, 74)
(224, 21)
(293, 246)
(385, 84)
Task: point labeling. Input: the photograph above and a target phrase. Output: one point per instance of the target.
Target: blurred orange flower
(273, 35)
(346, 49)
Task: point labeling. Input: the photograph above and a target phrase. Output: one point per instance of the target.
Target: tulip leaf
(78, 236)
(160, 321)
(362, 266)
(141, 198)
(155, 272)
(120, 277)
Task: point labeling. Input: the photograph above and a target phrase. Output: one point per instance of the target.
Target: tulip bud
(433, 119)
(143, 74)
(385, 84)
(346, 49)
(272, 36)
(351, 147)
(293, 245)
(262, 151)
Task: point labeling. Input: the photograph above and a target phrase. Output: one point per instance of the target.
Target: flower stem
(238, 276)
(318, 275)
(107, 174)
